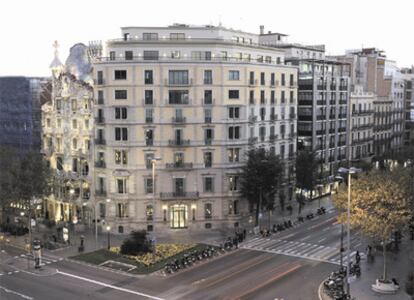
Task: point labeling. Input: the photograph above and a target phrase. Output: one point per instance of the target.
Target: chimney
(261, 29)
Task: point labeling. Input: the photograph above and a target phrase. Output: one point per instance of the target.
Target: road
(288, 266)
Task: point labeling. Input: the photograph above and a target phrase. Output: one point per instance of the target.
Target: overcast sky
(28, 28)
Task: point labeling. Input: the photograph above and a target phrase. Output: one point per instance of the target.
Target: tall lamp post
(349, 171)
(108, 229)
(153, 162)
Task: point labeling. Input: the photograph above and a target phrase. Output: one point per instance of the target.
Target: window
(234, 112)
(208, 159)
(121, 133)
(121, 185)
(148, 160)
(282, 151)
(175, 54)
(178, 77)
(74, 124)
(120, 74)
(291, 79)
(251, 97)
(148, 186)
(272, 97)
(208, 210)
(149, 97)
(233, 94)
(122, 210)
(178, 96)
(148, 77)
(149, 137)
(86, 123)
(151, 55)
(207, 115)
(291, 96)
(282, 97)
(208, 184)
(208, 97)
(149, 118)
(262, 97)
(283, 80)
(234, 75)
(112, 55)
(74, 104)
(121, 157)
(178, 186)
(233, 183)
(102, 210)
(201, 55)
(208, 77)
(251, 78)
(129, 55)
(233, 154)
(177, 36)
(262, 113)
(262, 133)
(75, 165)
(272, 79)
(208, 135)
(48, 123)
(178, 159)
(149, 212)
(150, 36)
(59, 163)
(262, 78)
(121, 113)
(234, 132)
(120, 94)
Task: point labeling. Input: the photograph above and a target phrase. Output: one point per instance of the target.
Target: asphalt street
(288, 265)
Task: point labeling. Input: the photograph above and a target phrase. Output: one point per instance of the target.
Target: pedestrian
(244, 234)
(357, 257)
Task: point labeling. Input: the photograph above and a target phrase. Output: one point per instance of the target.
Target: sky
(28, 28)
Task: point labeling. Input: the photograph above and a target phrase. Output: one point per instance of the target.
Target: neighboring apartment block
(371, 71)
(323, 108)
(408, 74)
(362, 125)
(195, 98)
(20, 102)
(67, 122)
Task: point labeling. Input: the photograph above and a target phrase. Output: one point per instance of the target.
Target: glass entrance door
(179, 216)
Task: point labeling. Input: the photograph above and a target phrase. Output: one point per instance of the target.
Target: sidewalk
(398, 265)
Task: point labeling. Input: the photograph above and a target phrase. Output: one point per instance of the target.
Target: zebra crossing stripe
(310, 253)
(301, 248)
(286, 246)
(328, 254)
(277, 244)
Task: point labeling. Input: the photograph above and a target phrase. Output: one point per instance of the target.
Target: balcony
(101, 101)
(342, 116)
(208, 141)
(178, 120)
(207, 120)
(343, 87)
(180, 166)
(149, 120)
(179, 142)
(341, 129)
(100, 142)
(343, 101)
(272, 137)
(321, 86)
(100, 164)
(100, 120)
(149, 142)
(208, 101)
(253, 82)
(99, 81)
(252, 140)
(293, 84)
(175, 195)
(333, 87)
(305, 102)
(179, 101)
(331, 130)
(252, 119)
(183, 83)
(273, 117)
(292, 116)
(321, 117)
(100, 193)
(320, 131)
(274, 83)
(321, 102)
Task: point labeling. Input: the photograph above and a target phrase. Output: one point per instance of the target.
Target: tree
(136, 244)
(379, 205)
(260, 178)
(8, 166)
(306, 174)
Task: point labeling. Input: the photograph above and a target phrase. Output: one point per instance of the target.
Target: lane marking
(15, 293)
(321, 240)
(108, 285)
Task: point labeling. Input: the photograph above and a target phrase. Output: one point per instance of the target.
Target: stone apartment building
(68, 124)
(408, 74)
(186, 102)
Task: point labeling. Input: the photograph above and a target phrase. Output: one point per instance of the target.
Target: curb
(321, 293)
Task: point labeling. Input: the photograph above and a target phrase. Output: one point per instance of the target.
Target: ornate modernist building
(67, 122)
(195, 98)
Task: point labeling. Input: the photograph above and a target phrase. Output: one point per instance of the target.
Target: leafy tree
(379, 204)
(260, 178)
(136, 244)
(306, 174)
(8, 166)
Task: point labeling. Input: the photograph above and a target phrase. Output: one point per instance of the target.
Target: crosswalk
(317, 252)
(45, 260)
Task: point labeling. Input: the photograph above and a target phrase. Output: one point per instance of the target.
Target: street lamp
(350, 171)
(153, 162)
(108, 229)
